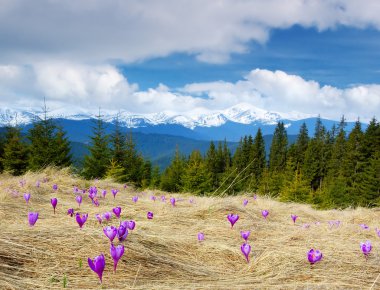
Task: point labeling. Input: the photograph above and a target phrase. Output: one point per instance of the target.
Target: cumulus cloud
(81, 88)
(100, 30)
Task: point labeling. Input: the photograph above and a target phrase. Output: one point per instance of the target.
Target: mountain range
(157, 135)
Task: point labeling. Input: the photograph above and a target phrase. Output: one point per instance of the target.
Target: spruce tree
(155, 178)
(213, 165)
(172, 178)
(48, 144)
(196, 177)
(259, 159)
(15, 159)
(278, 149)
(98, 160)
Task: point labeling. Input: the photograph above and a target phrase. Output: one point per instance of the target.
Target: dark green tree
(196, 177)
(15, 159)
(172, 178)
(98, 161)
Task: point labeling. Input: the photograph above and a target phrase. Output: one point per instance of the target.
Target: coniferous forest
(332, 169)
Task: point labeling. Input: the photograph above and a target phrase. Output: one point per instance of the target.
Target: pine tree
(15, 159)
(259, 159)
(97, 162)
(172, 178)
(315, 166)
(278, 149)
(213, 165)
(277, 160)
(62, 156)
(156, 178)
(48, 144)
(196, 177)
(118, 144)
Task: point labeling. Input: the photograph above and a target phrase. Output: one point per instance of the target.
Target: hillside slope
(164, 253)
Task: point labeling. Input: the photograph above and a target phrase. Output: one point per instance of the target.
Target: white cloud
(99, 30)
(81, 88)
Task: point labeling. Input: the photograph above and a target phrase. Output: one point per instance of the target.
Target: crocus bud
(98, 265)
(117, 211)
(314, 256)
(233, 218)
(149, 215)
(116, 254)
(54, 202)
(294, 218)
(245, 235)
(27, 197)
(78, 198)
(246, 249)
(32, 218)
(265, 213)
(366, 248)
(201, 237)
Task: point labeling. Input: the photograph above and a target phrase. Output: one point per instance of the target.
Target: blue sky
(192, 56)
(339, 57)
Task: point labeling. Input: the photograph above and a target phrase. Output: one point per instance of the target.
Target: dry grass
(164, 253)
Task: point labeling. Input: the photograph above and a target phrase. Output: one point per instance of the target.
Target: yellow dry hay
(164, 253)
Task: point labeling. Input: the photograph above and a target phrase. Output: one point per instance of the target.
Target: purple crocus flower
(99, 218)
(110, 232)
(201, 237)
(54, 202)
(27, 197)
(366, 248)
(55, 187)
(364, 226)
(172, 201)
(191, 200)
(32, 217)
(306, 226)
(116, 254)
(135, 199)
(245, 202)
(149, 215)
(114, 192)
(314, 256)
(233, 218)
(75, 189)
(265, 213)
(107, 216)
(254, 196)
(131, 225)
(122, 233)
(98, 265)
(377, 232)
(153, 198)
(294, 218)
(245, 235)
(81, 219)
(22, 182)
(117, 211)
(37, 183)
(70, 211)
(246, 249)
(104, 192)
(78, 198)
(125, 186)
(163, 198)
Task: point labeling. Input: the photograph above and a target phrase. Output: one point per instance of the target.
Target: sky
(146, 56)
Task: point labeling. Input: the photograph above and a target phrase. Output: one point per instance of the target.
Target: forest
(332, 169)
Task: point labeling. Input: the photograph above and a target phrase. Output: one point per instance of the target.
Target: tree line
(333, 168)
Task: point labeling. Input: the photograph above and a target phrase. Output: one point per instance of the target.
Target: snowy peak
(242, 113)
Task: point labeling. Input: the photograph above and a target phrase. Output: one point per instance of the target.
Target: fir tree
(278, 149)
(258, 158)
(172, 178)
(156, 178)
(97, 162)
(15, 159)
(196, 177)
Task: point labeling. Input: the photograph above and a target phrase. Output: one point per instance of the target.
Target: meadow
(164, 252)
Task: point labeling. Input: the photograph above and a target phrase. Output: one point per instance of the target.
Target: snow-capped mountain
(241, 114)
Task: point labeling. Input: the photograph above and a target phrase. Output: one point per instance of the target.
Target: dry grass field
(164, 253)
